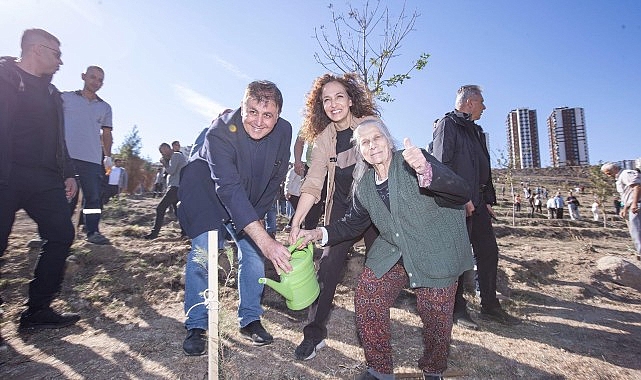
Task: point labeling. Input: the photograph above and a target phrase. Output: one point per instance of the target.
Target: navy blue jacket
(217, 185)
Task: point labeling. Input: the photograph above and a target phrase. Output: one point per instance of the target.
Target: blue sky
(171, 66)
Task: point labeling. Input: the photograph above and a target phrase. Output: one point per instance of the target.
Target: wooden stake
(212, 296)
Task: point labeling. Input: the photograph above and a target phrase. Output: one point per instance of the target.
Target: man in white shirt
(628, 183)
(117, 181)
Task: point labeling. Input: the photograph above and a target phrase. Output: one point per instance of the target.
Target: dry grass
(575, 325)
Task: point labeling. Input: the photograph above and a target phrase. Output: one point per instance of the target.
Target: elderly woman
(417, 205)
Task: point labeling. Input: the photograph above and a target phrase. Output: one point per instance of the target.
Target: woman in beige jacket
(334, 107)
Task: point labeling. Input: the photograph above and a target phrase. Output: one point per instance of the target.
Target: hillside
(576, 323)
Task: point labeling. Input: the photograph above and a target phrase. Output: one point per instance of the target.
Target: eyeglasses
(56, 53)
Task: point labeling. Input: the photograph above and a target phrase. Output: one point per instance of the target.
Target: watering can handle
(292, 247)
(301, 253)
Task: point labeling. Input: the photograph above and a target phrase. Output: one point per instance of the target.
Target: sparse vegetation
(576, 324)
(365, 40)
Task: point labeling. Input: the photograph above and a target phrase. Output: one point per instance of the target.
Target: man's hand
(491, 211)
(469, 208)
(624, 212)
(278, 255)
(107, 162)
(271, 249)
(71, 188)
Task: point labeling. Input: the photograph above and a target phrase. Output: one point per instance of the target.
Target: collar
(79, 93)
(463, 115)
(353, 122)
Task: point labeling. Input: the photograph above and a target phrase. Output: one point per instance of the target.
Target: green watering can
(299, 287)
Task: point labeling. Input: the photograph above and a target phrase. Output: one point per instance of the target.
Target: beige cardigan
(323, 162)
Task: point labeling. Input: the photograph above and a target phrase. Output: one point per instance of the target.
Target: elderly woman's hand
(305, 236)
(414, 157)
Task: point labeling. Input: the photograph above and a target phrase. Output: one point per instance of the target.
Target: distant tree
(138, 169)
(508, 179)
(132, 145)
(364, 41)
(603, 188)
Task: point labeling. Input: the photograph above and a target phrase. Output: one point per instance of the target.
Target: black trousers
(486, 253)
(109, 192)
(170, 198)
(41, 194)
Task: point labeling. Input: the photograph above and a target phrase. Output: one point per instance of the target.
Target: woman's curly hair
(315, 119)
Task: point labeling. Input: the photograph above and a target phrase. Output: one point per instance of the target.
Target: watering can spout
(277, 286)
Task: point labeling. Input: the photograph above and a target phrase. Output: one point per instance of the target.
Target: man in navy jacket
(229, 184)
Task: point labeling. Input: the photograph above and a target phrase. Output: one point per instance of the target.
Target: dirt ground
(576, 324)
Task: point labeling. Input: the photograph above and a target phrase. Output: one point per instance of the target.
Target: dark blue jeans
(91, 176)
(41, 194)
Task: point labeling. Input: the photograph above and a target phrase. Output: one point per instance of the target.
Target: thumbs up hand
(414, 157)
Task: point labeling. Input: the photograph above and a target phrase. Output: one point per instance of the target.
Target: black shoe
(463, 319)
(256, 333)
(195, 343)
(308, 347)
(47, 319)
(152, 235)
(366, 376)
(36, 243)
(97, 238)
(499, 315)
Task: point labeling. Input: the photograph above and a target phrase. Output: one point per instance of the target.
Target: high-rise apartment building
(523, 139)
(567, 137)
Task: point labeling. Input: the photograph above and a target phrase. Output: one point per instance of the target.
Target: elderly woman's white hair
(361, 165)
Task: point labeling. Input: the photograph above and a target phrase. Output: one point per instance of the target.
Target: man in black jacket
(460, 144)
(36, 173)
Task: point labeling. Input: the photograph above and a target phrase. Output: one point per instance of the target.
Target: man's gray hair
(464, 93)
(609, 166)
